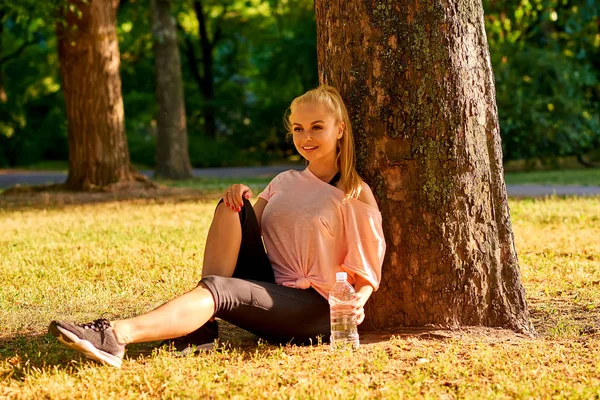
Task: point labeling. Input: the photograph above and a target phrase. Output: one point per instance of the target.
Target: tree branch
(17, 52)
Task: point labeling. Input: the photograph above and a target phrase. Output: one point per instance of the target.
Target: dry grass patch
(117, 258)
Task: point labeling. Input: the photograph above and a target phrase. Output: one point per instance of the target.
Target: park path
(10, 178)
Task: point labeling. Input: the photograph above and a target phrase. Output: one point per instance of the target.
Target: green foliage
(32, 116)
(545, 56)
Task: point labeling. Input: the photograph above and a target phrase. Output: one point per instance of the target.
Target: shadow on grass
(562, 317)
(56, 198)
(20, 356)
(24, 355)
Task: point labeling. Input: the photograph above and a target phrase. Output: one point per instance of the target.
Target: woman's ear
(341, 130)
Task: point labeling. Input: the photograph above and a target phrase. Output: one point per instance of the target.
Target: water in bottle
(342, 299)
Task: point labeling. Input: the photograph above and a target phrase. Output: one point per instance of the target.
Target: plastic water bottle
(342, 299)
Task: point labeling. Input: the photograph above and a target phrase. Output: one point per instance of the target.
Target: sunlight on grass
(117, 259)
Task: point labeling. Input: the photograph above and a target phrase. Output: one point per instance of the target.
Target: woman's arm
(362, 286)
(259, 207)
(363, 292)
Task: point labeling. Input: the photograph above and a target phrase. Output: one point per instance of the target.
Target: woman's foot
(96, 340)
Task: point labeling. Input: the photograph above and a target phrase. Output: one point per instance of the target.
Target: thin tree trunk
(418, 82)
(172, 156)
(208, 78)
(88, 50)
(3, 97)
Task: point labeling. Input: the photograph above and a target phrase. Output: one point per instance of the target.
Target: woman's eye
(297, 129)
(317, 128)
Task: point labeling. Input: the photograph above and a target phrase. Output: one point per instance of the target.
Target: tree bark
(172, 156)
(88, 50)
(418, 83)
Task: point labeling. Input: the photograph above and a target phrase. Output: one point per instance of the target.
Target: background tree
(88, 50)
(419, 85)
(172, 157)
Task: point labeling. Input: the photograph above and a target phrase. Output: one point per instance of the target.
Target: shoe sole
(71, 340)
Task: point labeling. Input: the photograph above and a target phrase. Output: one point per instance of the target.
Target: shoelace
(99, 325)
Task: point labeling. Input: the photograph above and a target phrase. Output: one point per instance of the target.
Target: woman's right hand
(235, 195)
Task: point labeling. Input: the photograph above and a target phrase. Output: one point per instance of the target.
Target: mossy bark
(172, 156)
(88, 50)
(418, 83)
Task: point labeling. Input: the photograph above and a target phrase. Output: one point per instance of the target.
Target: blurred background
(545, 55)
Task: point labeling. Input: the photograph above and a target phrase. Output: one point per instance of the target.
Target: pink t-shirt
(311, 232)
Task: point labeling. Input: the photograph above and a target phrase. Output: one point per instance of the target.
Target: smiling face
(315, 132)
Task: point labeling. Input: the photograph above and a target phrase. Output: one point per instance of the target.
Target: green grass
(583, 177)
(218, 185)
(118, 258)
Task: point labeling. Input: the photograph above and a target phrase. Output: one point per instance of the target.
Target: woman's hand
(359, 307)
(235, 195)
(363, 292)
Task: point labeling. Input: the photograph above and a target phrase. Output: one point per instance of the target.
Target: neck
(324, 172)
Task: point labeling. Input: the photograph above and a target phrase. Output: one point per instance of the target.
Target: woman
(314, 223)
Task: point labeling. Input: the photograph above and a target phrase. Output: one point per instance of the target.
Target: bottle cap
(341, 276)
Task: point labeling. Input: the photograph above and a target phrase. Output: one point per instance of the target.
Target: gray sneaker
(95, 339)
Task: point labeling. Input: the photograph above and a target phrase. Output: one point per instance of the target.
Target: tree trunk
(208, 79)
(418, 83)
(88, 50)
(3, 97)
(172, 157)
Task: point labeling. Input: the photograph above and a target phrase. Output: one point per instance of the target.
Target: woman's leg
(175, 318)
(234, 246)
(105, 342)
(273, 312)
(223, 242)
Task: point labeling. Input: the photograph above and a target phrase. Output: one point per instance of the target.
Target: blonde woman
(313, 223)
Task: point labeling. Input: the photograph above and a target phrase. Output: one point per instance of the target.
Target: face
(315, 133)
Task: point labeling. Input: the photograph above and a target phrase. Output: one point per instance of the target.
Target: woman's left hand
(359, 307)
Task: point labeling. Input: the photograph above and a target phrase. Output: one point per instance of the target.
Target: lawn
(583, 177)
(118, 258)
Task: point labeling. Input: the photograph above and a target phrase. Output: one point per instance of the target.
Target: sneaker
(202, 339)
(96, 340)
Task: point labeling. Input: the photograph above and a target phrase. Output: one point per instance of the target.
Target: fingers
(360, 301)
(360, 315)
(359, 310)
(233, 197)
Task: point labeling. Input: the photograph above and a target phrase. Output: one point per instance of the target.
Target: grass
(218, 185)
(120, 258)
(583, 177)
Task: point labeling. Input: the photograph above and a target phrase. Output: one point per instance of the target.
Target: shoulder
(290, 174)
(366, 196)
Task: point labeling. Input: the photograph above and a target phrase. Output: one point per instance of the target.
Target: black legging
(253, 301)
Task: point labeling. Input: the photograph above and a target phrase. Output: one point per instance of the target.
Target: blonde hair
(328, 97)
